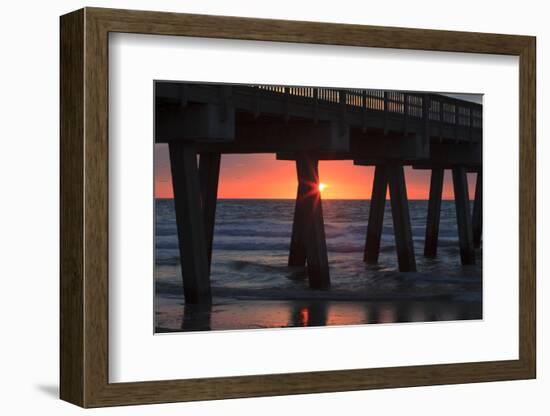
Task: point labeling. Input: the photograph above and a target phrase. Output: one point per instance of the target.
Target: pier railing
(435, 107)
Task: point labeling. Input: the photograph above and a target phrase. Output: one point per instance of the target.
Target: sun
(322, 187)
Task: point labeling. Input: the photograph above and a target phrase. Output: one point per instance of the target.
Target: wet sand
(229, 314)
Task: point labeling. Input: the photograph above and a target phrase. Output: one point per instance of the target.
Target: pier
(385, 129)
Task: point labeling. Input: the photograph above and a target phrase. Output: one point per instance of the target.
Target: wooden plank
(72, 341)
(434, 212)
(528, 208)
(477, 215)
(313, 228)
(209, 173)
(376, 214)
(190, 222)
(227, 27)
(463, 215)
(401, 219)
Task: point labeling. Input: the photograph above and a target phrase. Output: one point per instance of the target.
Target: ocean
(253, 287)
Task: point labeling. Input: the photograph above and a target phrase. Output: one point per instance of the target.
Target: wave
(275, 244)
(168, 289)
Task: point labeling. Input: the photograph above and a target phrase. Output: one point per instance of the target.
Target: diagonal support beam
(209, 173)
(401, 218)
(376, 214)
(434, 212)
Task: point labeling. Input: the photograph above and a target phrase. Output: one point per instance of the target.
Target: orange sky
(262, 176)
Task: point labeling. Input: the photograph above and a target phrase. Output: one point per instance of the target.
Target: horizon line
(323, 199)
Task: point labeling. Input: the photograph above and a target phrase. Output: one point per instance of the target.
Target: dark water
(254, 288)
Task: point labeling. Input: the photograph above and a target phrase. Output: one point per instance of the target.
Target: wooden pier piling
(190, 222)
(308, 231)
(297, 252)
(401, 218)
(197, 317)
(434, 212)
(463, 215)
(376, 214)
(477, 215)
(209, 173)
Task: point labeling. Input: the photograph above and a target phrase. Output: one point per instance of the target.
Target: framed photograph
(255, 207)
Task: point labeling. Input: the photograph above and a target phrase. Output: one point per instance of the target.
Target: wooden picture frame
(84, 207)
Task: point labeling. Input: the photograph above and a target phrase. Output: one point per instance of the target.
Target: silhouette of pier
(384, 129)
